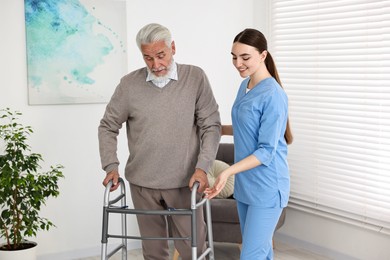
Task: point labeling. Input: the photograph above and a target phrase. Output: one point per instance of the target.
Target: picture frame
(76, 50)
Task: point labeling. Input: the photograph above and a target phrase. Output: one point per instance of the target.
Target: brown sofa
(226, 225)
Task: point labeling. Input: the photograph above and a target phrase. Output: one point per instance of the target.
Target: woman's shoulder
(272, 87)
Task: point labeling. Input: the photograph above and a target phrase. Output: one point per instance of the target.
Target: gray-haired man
(173, 130)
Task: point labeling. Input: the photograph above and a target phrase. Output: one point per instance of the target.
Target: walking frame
(109, 206)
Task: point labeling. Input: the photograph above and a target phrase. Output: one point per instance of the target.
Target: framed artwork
(76, 50)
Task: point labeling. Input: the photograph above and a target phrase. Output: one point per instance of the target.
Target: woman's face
(247, 59)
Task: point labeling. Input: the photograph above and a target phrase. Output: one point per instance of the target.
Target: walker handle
(107, 192)
(196, 185)
(195, 205)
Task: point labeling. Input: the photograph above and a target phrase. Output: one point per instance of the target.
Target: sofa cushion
(216, 169)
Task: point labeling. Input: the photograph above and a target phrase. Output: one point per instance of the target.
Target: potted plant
(23, 190)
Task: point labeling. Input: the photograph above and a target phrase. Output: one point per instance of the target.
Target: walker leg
(124, 240)
(124, 226)
(104, 252)
(124, 249)
(209, 230)
(193, 233)
(194, 253)
(104, 234)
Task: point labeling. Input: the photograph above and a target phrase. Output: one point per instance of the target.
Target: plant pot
(23, 254)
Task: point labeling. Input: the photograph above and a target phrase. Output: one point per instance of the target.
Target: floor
(231, 252)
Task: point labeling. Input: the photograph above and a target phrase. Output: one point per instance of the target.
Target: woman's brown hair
(256, 39)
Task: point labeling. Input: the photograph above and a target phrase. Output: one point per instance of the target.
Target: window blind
(333, 58)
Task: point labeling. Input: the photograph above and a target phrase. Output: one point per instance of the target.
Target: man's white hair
(153, 33)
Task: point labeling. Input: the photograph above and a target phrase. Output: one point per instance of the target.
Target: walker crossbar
(109, 207)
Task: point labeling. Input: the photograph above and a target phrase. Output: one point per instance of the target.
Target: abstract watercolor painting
(76, 50)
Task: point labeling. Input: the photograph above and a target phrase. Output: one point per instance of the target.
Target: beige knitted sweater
(170, 131)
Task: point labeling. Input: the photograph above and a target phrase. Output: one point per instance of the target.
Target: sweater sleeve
(209, 124)
(115, 115)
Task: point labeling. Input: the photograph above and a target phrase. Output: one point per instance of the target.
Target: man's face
(158, 57)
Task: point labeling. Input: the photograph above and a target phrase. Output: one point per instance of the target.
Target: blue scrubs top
(259, 120)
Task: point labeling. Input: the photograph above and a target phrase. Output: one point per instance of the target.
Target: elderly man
(173, 130)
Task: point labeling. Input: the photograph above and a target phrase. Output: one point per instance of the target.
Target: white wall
(67, 134)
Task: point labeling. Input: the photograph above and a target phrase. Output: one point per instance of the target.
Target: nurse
(261, 134)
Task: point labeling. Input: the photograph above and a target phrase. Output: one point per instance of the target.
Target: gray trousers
(157, 226)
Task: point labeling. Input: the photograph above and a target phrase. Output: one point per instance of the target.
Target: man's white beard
(164, 78)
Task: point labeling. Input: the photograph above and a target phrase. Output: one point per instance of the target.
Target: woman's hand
(219, 184)
(245, 164)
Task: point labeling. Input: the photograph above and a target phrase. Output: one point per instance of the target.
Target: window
(333, 58)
